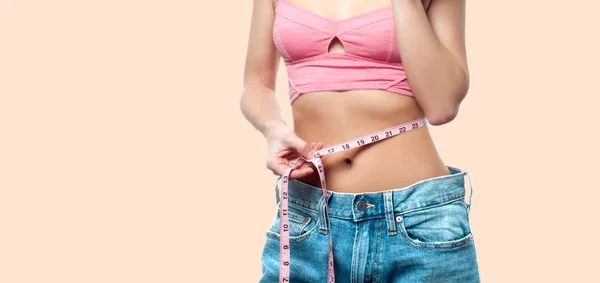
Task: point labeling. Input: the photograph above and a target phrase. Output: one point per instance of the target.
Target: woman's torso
(398, 161)
(332, 117)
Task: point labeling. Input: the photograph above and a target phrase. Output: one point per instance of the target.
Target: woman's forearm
(259, 105)
(438, 79)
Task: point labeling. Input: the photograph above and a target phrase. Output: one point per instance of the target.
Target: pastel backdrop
(124, 156)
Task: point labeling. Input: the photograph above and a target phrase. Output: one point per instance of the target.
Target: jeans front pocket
(303, 223)
(439, 226)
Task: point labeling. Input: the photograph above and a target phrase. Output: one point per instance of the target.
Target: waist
(361, 206)
(335, 117)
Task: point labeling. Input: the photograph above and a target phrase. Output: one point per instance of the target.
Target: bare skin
(390, 163)
(321, 119)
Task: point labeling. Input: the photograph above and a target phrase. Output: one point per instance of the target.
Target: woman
(390, 210)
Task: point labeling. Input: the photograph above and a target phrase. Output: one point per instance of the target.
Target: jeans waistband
(381, 204)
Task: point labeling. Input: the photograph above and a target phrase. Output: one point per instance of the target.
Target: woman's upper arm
(447, 18)
(262, 58)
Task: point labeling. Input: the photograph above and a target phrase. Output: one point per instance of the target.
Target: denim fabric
(418, 233)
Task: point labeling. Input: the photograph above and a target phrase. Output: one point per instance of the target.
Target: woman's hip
(422, 230)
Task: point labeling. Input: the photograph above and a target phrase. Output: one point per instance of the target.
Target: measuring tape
(284, 244)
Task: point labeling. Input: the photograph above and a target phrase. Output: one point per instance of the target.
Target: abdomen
(334, 117)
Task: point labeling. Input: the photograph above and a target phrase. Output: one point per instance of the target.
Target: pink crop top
(370, 60)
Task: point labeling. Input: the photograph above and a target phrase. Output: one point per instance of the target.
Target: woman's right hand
(283, 147)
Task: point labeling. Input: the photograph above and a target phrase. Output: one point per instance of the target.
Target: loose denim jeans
(418, 233)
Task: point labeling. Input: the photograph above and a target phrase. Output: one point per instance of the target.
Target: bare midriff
(395, 162)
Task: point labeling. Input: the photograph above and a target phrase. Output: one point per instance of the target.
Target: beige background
(124, 156)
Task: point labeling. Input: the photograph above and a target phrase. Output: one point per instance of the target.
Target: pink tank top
(370, 60)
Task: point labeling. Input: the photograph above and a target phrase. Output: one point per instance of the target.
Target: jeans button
(361, 205)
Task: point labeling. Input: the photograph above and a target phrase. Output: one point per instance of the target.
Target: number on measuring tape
(360, 142)
(375, 138)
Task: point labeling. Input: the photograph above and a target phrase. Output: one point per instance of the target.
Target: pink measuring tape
(284, 244)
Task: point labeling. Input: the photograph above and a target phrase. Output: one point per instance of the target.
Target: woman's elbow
(440, 117)
(445, 112)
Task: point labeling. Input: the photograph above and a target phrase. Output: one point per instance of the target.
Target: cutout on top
(336, 46)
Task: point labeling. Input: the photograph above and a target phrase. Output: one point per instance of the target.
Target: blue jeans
(418, 233)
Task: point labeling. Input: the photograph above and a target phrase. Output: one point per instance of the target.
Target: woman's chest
(300, 34)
